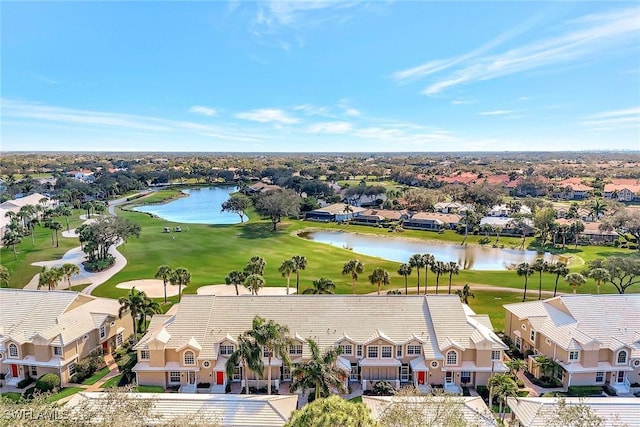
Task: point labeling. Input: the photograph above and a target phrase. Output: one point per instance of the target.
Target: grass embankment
(96, 377)
(156, 197)
(112, 382)
(65, 392)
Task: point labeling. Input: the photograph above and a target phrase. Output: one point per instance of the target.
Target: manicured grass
(65, 392)
(357, 399)
(96, 377)
(112, 382)
(159, 196)
(80, 287)
(491, 302)
(149, 389)
(12, 395)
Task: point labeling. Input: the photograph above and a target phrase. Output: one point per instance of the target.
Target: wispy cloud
(267, 115)
(496, 112)
(463, 101)
(612, 120)
(586, 37)
(312, 110)
(44, 79)
(205, 111)
(331, 127)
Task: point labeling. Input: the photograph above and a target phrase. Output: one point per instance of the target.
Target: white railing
(627, 383)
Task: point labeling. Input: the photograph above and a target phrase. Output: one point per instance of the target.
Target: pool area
(201, 206)
(470, 257)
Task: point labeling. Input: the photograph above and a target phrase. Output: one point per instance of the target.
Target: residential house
(595, 339)
(573, 189)
(542, 411)
(592, 233)
(509, 226)
(436, 340)
(82, 175)
(623, 190)
(15, 205)
(49, 331)
(262, 187)
(335, 213)
(451, 207)
(504, 211)
(432, 221)
(380, 216)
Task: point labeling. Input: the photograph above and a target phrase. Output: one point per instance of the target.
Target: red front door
(14, 370)
(219, 377)
(420, 377)
(105, 346)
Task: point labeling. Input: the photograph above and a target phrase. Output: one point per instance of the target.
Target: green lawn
(112, 382)
(65, 392)
(96, 377)
(357, 399)
(80, 287)
(12, 395)
(148, 389)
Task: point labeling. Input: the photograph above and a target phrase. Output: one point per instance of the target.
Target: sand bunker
(154, 288)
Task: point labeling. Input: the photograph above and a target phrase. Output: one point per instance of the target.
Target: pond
(202, 206)
(470, 257)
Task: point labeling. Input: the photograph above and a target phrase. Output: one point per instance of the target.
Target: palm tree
(134, 303)
(465, 293)
(66, 212)
(255, 266)
(575, 280)
(548, 367)
(452, 269)
(559, 269)
(405, 271)
(254, 282)
(503, 386)
(516, 365)
(12, 238)
(319, 372)
(274, 338)
(379, 276)
(300, 263)
(417, 261)
(524, 269)
(353, 267)
(428, 260)
(49, 277)
(599, 275)
(180, 277)
(439, 268)
(235, 278)
(286, 268)
(321, 286)
(149, 308)
(597, 207)
(249, 354)
(164, 272)
(4, 276)
(540, 266)
(69, 270)
(55, 227)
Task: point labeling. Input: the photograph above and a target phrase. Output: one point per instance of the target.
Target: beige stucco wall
(152, 378)
(375, 373)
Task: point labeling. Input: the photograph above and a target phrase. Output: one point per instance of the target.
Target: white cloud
(617, 113)
(351, 112)
(496, 112)
(614, 120)
(462, 101)
(331, 127)
(312, 110)
(205, 111)
(267, 115)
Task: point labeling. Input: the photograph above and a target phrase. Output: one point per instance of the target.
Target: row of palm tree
(179, 276)
(140, 306)
(428, 262)
(50, 277)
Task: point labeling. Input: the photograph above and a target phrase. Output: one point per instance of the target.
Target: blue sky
(320, 76)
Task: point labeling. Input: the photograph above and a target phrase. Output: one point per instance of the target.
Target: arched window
(452, 358)
(13, 350)
(622, 357)
(189, 358)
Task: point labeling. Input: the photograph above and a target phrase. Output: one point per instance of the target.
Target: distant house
(432, 221)
(623, 190)
(262, 187)
(573, 189)
(335, 213)
(82, 175)
(16, 204)
(593, 233)
(504, 211)
(450, 207)
(509, 226)
(379, 216)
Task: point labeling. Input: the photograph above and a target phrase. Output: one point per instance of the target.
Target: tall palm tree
(379, 277)
(465, 293)
(524, 269)
(134, 303)
(255, 265)
(516, 365)
(12, 238)
(353, 267)
(560, 269)
(439, 268)
(428, 260)
(164, 272)
(405, 271)
(274, 338)
(452, 269)
(181, 277)
(65, 211)
(254, 282)
(416, 261)
(300, 263)
(599, 275)
(320, 372)
(286, 268)
(4, 276)
(49, 277)
(575, 280)
(503, 386)
(235, 278)
(69, 270)
(540, 266)
(321, 286)
(249, 355)
(597, 208)
(149, 308)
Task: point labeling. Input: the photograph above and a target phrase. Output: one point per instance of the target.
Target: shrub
(465, 391)
(383, 388)
(584, 391)
(25, 382)
(609, 390)
(227, 388)
(312, 396)
(520, 383)
(48, 382)
(28, 393)
(483, 391)
(203, 385)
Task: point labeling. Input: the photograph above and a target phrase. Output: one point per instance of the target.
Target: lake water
(202, 206)
(471, 257)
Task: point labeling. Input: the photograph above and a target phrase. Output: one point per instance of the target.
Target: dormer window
(452, 357)
(57, 351)
(13, 350)
(144, 355)
(226, 350)
(622, 357)
(387, 351)
(295, 349)
(189, 358)
(574, 356)
(346, 349)
(103, 332)
(414, 349)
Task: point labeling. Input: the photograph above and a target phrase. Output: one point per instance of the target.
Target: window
(72, 369)
(34, 371)
(57, 351)
(372, 351)
(118, 340)
(103, 332)
(236, 374)
(387, 351)
(524, 327)
(226, 350)
(622, 357)
(414, 349)
(599, 377)
(452, 358)
(295, 349)
(574, 355)
(174, 377)
(496, 355)
(13, 350)
(145, 355)
(399, 351)
(359, 350)
(346, 349)
(206, 364)
(465, 377)
(265, 352)
(518, 343)
(532, 336)
(189, 358)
